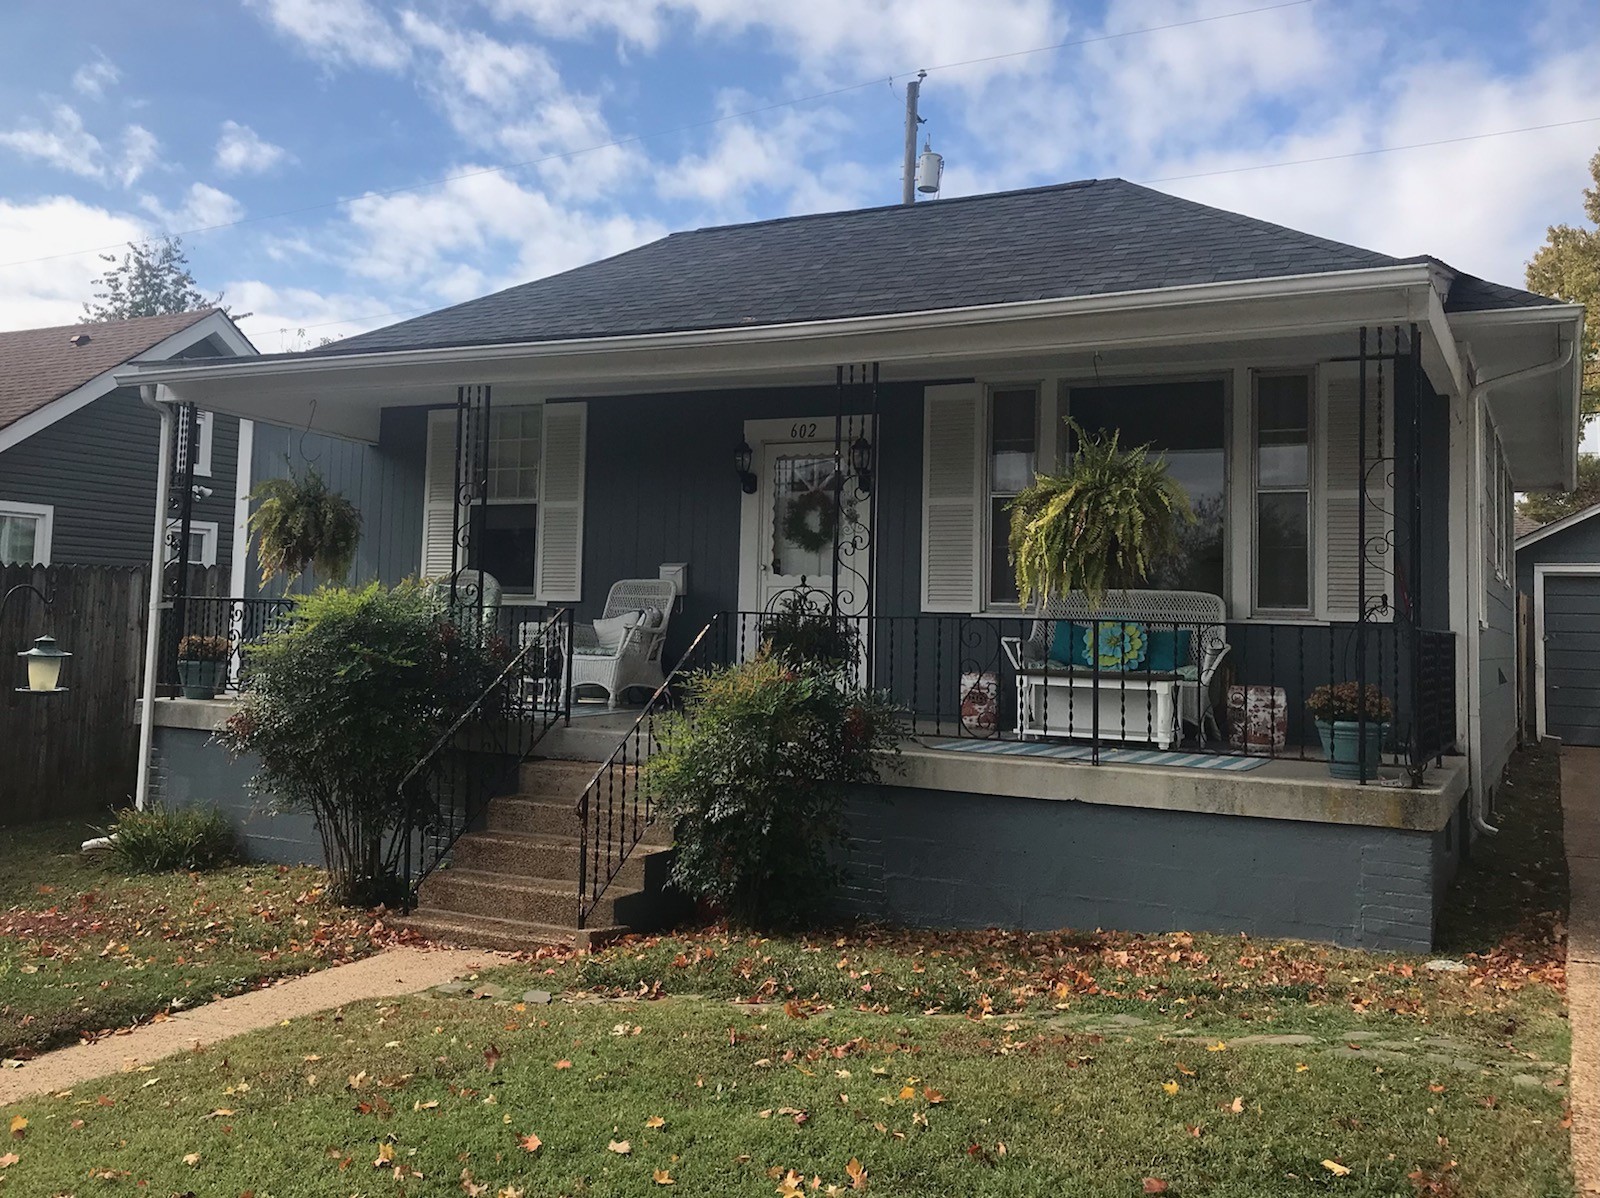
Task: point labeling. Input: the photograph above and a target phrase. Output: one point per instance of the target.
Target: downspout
(158, 561)
(1475, 398)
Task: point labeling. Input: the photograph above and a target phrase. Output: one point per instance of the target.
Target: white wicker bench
(1135, 704)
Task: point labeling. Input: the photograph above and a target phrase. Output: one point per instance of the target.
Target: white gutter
(158, 561)
(1291, 286)
(1475, 400)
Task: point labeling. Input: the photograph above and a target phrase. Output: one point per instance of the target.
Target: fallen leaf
(1194, 1129)
(8, 1160)
(19, 1125)
(491, 1058)
(791, 1185)
(907, 1092)
(1301, 1067)
(220, 1113)
(385, 1155)
(1219, 1046)
(563, 1064)
(192, 1159)
(470, 1187)
(1170, 1087)
(530, 1142)
(1154, 1185)
(856, 1173)
(1336, 1168)
(1185, 1070)
(1435, 1088)
(933, 1097)
(1236, 1106)
(661, 1177)
(620, 1147)
(655, 1121)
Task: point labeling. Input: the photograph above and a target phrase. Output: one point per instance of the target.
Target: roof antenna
(908, 170)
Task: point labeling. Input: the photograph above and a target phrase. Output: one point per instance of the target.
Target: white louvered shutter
(439, 490)
(1339, 428)
(952, 498)
(558, 571)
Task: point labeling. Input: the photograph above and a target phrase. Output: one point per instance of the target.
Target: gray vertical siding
(1567, 622)
(97, 468)
(384, 481)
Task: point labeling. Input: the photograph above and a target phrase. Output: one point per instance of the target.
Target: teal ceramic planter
(1349, 745)
(202, 679)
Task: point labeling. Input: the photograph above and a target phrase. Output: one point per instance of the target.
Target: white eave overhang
(343, 394)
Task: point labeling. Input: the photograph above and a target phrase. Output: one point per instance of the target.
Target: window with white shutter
(1341, 460)
(559, 565)
(954, 492)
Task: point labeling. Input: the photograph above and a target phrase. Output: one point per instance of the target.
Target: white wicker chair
(1176, 699)
(633, 660)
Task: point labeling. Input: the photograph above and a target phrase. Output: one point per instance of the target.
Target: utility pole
(908, 181)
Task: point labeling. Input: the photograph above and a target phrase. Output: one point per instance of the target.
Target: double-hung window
(1282, 448)
(202, 541)
(25, 533)
(508, 524)
(1012, 461)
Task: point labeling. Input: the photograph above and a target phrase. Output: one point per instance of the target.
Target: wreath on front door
(798, 528)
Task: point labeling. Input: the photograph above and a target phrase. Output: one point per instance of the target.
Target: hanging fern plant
(299, 523)
(1103, 523)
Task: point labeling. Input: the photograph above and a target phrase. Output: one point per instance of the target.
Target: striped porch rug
(1066, 752)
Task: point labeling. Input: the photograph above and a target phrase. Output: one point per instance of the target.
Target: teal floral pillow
(1115, 645)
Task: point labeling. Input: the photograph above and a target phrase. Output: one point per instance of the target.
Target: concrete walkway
(397, 971)
(1580, 808)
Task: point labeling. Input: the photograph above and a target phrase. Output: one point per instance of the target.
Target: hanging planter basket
(299, 523)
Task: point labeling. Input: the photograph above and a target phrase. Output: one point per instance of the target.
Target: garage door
(1572, 657)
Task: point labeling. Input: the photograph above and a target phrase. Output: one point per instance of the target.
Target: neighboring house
(78, 460)
(1558, 568)
(839, 407)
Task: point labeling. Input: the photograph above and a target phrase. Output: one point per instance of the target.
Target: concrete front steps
(512, 885)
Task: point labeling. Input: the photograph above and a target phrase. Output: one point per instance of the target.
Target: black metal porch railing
(618, 805)
(447, 792)
(235, 620)
(1236, 689)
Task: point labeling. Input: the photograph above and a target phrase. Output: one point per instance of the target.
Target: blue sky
(301, 118)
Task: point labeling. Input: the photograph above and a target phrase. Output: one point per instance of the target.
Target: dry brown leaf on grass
(856, 1173)
(620, 1147)
(563, 1064)
(1154, 1185)
(662, 1177)
(491, 1058)
(19, 1127)
(1336, 1168)
(654, 1122)
(8, 1160)
(530, 1142)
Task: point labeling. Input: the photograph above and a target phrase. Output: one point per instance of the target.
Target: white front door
(800, 504)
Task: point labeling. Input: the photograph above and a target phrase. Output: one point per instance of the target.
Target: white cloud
(338, 32)
(94, 76)
(243, 151)
(202, 207)
(285, 319)
(476, 234)
(33, 293)
(822, 35)
(67, 145)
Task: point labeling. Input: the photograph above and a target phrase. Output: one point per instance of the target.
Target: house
(78, 450)
(834, 411)
(1558, 571)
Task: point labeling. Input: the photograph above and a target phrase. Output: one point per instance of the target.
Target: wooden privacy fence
(71, 754)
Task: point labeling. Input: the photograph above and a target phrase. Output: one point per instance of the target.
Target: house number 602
(803, 431)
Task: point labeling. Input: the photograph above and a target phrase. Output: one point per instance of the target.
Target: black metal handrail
(618, 804)
(448, 790)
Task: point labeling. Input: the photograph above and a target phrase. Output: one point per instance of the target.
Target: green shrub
(754, 774)
(159, 839)
(346, 694)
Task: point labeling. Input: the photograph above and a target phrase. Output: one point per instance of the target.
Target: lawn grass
(942, 1063)
(85, 948)
(926, 1104)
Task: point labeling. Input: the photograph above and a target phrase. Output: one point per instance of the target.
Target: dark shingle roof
(1075, 239)
(41, 365)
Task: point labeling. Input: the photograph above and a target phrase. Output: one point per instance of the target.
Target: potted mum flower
(1352, 731)
(202, 665)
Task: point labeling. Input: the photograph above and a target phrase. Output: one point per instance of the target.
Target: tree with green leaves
(1545, 506)
(1567, 267)
(152, 279)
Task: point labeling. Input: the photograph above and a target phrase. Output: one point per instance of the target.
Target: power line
(1416, 145)
(635, 139)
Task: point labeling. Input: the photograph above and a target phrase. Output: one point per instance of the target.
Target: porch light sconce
(743, 458)
(861, 464)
